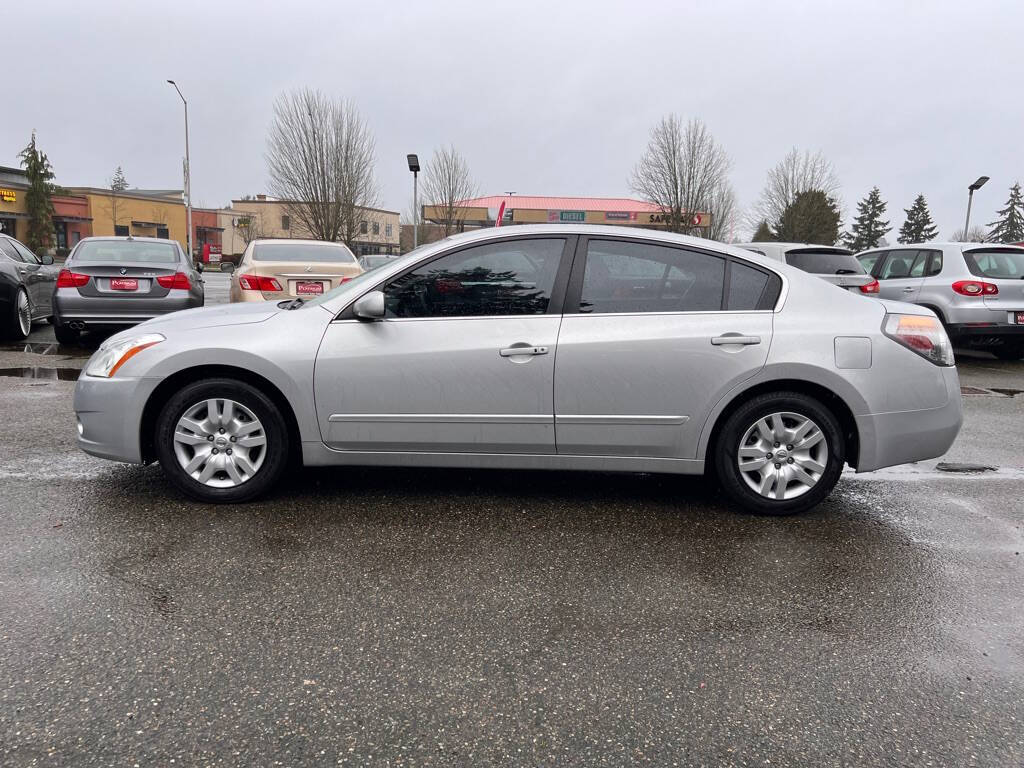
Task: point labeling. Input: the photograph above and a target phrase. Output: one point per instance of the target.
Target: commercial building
(71, 217)
(529, 209)
(137, 212)
(378, 229)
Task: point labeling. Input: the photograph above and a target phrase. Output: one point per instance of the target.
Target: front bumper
(900, 437)
(109, 413)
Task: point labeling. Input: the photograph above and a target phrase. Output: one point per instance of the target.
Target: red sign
(124, 284)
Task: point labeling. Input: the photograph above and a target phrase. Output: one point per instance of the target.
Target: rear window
(303, 252)
(825, 262)
(996, 263)
(126, 250)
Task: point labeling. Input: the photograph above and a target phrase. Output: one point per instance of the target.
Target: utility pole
(188, 177)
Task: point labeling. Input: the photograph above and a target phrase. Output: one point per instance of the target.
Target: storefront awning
(73, 218)
(209, 229)
(153, 224)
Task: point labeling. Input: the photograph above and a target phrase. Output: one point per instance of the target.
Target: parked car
(976, 289)
(114, 282)
(288, 269)
(26, 288)
(829, 262)
(674, 354)
(375, 260)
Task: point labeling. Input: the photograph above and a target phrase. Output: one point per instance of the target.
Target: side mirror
(369, 306)
(46, 259)
(199, 266)
(227, 266)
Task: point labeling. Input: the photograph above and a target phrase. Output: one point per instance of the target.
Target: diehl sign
(8, 196)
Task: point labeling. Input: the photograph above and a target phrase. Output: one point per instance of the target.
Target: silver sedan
(540, 347)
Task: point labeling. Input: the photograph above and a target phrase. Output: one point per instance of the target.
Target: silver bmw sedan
(536, 347)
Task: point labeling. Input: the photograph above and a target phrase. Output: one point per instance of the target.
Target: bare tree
(320, 155)
(976, 234)
(795, 173)
(681, 170)
(723, 210)
(446, 184)
(248, 226)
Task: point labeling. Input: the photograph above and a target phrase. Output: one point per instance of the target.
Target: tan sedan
(289, 269)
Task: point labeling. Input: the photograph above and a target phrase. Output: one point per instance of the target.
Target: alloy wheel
(24, 314)
(220, 443)
(782, 455)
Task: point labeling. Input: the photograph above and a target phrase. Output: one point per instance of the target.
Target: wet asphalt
(413, 617)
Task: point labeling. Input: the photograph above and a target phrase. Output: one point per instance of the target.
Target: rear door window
(825, 262)
(904, 264)
(871, 261)
(1004, 263)
(751, 288)
(628, 277)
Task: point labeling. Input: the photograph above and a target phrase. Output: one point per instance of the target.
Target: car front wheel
(779, 454)
(222, 440)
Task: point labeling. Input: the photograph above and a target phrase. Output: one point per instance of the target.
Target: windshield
(317, 253)
(825, 262)
(367, 277)
(150, 252)
(1005, 263)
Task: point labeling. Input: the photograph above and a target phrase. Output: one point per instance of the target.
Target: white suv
(829, 262)
(976, 289)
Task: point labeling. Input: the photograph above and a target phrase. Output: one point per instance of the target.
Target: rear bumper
(114, 313)
(887, 439)
(980, 335)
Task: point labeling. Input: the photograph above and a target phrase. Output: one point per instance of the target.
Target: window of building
(162, 232)
(376, 227)
(622, 277)
(387, 229)
(121, 230)
(286, 222)
(511, 278)
(362, 227)
(76, 236)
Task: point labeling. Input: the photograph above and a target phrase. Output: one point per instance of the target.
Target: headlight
(922, 334)
(111, 356)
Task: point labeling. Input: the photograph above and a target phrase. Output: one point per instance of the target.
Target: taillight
(871, 287)
(177, 281)
(258, 283)
(68, 279)
(975, 288)
(922, 334)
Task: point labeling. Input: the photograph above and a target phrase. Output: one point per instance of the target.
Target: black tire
(749, 413)
(11, 328)
(276, 431)
(65, 334)
(1009, 353)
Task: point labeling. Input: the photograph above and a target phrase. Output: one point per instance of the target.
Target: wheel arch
(826, 396)
(166, 389)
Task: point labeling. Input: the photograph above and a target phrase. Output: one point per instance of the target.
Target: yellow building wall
(167, 213)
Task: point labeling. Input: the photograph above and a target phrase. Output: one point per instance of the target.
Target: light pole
(188, 177)
(414, 166)
(970, 196)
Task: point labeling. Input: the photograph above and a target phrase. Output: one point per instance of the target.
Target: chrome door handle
(514, 351)
(909, 289)
(735, 338)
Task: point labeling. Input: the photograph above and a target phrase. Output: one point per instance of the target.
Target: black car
(26, 288)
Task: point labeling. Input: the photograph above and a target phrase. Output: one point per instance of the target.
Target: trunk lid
(1003, 266)
(125, 279)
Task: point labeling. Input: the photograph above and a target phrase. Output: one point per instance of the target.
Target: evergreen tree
(812, 217)
(118, 183)
(37, 198)
(1009, 227)
(868, 229)
(919, 227)
(763, 233)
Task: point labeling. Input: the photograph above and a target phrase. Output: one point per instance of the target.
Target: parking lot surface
(413, 617)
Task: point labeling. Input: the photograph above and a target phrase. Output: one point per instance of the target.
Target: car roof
(296, 241)
(776, 244)
(129, 237)
(933, 245)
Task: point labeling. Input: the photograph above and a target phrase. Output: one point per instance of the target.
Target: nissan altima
(539, 347)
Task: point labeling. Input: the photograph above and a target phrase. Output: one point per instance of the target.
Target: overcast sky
(541, 97)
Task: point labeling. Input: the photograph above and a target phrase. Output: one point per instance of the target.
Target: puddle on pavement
(39, 372)
(50, 348)
(950, 466)
(1007, 392)
(991, 391)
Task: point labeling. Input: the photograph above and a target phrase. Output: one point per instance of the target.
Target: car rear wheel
(779, 454)
(19, 323)
(222, 440)
(1012, 352)
(65, 334)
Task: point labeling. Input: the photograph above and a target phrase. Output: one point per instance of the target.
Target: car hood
(212, 317)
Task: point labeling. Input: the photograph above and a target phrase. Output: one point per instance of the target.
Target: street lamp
(188, 176)
(414, 166)
(970, 196)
